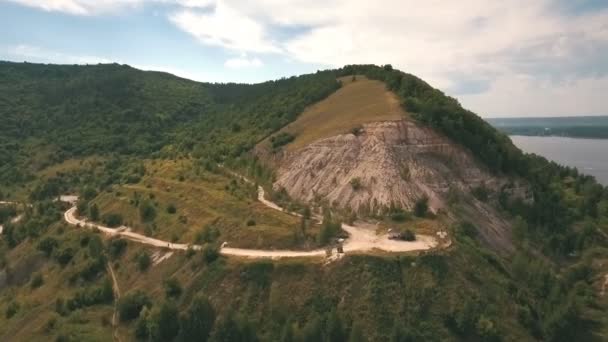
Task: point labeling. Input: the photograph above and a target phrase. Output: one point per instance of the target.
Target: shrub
(210, 253)
(356, 131)
(355, 183)
(398, 215)
(47, 245)
(94, 212)
(143, 261)
(250, 222)
(130, 305)
(421, 207)
(64, 255)
(481, 193)
(36, 281)
(173, 288)
(171, 209)
(91, 296)
(11, 309)
(207, 235)
(112, 220)
(407, 235)
(147, 212)
(116, 247)
(197, 323)
(281, 139)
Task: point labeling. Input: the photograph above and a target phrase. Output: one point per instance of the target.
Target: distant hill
(578, 127)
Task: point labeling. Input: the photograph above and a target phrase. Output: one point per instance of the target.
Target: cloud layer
(478, 50)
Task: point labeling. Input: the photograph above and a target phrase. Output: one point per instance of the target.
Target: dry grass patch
(357, 102)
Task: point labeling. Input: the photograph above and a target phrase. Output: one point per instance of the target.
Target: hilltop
(522, 242)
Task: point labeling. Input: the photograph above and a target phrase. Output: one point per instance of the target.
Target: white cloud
(225, 27)
(452, 45)
(79, 7)
(523, 95)
(487, 45)
(93, 7)
(243, 62)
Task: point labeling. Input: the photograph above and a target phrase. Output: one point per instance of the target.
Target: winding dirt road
(360, 239)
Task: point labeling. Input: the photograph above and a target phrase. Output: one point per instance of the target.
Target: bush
(47, 245)
(36, 281)
(112, 220)
(171, 209)
(64, 255)
(130, 305)
(407, 235)
(281, 139)
(210, 253)
(11, 309)
(147, 212)
(356, 131)
(421, 207)
(92, 296)
(143, 261)
(355, 183)
(173, 288)
(207, 235)
(481, 193)
(94, 212)
(250, 222)
(116, 247)
(197, 323)
(398, 215)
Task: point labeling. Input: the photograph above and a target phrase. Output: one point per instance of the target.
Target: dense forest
(52, 113)
(544, 290)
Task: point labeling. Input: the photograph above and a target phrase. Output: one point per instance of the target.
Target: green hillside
(145, 147)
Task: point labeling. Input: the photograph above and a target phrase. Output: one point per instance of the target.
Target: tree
(210, 253)
(112, 219)
(335, 328)
(147, 212)
(167, 319)
(355, 183)
(421, 207)
(94, 212)
(171, 209)
(173, 289)
(197, 322)
(235, 329)
(131, 305)
(312, 331)
(143, 261)
(356, 333)
(47, 245)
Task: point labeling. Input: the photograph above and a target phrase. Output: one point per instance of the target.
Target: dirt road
(361, 239)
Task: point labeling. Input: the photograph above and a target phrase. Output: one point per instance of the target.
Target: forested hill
(132, 145)
(53, 112)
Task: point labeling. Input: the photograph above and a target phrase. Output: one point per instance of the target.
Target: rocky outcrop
(386, 163)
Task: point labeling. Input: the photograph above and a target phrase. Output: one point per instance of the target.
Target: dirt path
(361, 239)
(116, 298)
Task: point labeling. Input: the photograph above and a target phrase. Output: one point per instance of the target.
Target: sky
(498, 58)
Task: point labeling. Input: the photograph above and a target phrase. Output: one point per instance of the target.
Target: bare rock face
(387, 163)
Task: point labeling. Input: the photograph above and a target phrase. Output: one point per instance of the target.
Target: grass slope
(358, 101)
(202, 200)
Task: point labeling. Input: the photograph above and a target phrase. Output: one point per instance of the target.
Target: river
(589, 156)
